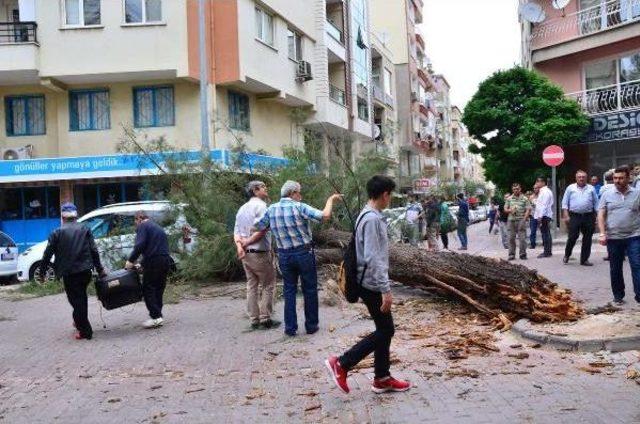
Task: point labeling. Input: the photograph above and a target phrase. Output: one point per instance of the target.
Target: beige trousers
(261, 282)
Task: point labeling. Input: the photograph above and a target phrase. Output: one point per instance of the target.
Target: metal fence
(18, 32)
(624, 96)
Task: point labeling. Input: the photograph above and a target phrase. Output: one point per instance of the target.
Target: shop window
(133, 192)
(110, 194)
(11, 204)
(35, 204)
(53, 202)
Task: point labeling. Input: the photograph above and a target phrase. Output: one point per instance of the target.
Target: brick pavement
(203, 367)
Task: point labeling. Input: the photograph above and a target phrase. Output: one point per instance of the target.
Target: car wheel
(34, 273)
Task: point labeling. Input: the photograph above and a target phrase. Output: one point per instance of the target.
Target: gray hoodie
(372, 250)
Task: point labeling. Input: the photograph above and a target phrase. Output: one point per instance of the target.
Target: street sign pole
(553, 156)
(555, 201)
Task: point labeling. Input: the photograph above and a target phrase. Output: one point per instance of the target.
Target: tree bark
(494, 287)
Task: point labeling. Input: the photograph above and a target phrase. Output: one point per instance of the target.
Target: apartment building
(397, 23)
(591, 48)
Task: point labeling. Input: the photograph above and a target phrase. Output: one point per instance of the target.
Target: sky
(468, 40)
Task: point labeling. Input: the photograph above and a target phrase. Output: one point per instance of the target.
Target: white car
(113, 228)
(8, 257)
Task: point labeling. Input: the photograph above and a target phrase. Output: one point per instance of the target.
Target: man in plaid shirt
(290, 223)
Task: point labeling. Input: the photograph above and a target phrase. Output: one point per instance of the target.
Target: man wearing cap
(256, 258)
(75, 256)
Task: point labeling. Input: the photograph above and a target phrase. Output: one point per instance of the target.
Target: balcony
(19, 52)
(586, 22)
(337, 95)
(613, 98)
(425, 78)
(334, 39)
(420, 39)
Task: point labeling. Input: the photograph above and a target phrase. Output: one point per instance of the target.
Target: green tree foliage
(527, 113)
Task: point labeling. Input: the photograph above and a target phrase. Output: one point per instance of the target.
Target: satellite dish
(560, 4)
(532, 12)
(376, 132)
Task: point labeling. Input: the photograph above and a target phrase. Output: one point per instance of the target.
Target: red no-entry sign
(553, 155)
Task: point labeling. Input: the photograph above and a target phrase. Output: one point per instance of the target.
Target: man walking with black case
(152, 244)
(75, 256)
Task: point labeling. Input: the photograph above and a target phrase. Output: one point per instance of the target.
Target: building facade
(74, 74)
(592, 50)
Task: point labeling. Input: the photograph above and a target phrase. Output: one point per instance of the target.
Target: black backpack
(348, 277)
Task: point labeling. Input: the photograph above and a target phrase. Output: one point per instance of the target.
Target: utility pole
(204, 79)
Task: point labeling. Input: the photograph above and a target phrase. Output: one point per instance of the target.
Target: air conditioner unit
(25, 152)
(304, 72)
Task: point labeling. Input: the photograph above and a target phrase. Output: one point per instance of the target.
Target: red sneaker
(389, 384)
(338, 374)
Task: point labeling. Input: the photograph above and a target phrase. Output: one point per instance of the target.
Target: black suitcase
(119, 288)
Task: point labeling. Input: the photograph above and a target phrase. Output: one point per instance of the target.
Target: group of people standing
(614, 207)
(433, 218)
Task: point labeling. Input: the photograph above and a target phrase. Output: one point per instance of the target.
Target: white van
(113, 228)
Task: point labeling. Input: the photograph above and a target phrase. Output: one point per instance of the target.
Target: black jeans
(378, 342)
(445, 239)
(545, 231)
(580, 223)
(154, 278)
(75, 285)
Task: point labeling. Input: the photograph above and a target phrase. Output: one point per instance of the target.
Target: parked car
(113, 228)
(8, 257)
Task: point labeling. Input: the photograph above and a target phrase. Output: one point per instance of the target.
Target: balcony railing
(335, 32)
(598, 18)
(612, 98)
(378, 93)
(18, 32)
(337, 95)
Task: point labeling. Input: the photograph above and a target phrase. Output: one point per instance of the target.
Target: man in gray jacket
(372, 251)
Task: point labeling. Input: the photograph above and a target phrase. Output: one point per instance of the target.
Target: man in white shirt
(257, 258)
(544, 215)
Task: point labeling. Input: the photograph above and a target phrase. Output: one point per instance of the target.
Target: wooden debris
(498, 289)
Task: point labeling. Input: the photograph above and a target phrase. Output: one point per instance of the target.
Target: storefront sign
(422, 185)
(615, 126)
(120, 165)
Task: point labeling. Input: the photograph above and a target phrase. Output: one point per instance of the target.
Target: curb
(525, 329)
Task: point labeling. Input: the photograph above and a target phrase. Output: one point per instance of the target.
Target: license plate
(8, 256)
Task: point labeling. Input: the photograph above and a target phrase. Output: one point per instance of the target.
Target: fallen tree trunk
(497, 288)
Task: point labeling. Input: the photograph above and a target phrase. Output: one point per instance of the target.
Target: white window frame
(388, 85)
(262, 13)
(63, 8)
(297, 55)
(144, 21)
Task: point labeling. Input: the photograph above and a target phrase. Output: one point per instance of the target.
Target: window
(89, 110)
(600, 74)
(35, 203)
(387, 81)
(98, 225)
(142, 11)
(239, 111)
(630, 68)
(264, 26)
(295, 45)
(363, 109)
(82, 12)
(153, 107)
(25, 115)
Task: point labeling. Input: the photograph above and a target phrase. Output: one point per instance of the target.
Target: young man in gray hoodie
(372, 251)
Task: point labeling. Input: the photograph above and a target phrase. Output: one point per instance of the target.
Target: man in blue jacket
(152, 244)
